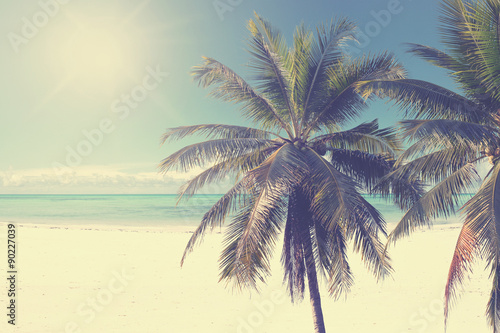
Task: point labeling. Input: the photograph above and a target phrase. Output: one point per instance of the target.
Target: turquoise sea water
(131, 210)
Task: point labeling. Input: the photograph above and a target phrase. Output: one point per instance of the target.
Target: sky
(89, 87)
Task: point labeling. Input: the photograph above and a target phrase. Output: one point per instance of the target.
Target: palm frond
(236, 197)
(293, 257)
(402, 190)
(325, 53)
(461, 72)
(463, 256)
(222, 170)
(250, 239)
(483, 220)
(450, 131)
(428, 145)
(493, 307)
(300, 67)
(341, 101)
(441, 200)
(340, 274)
(230, 87)
(200, 154)
(269, 60)
(457, 28)
(366, 137)
(454, 19)
(365, 224)
(333, 193)
(422, 99)
(252, 233)
(379, 143)
(211, 131)
(336, 201)
(484, 32)
(437, 165)
(437, 57)
(366, 168)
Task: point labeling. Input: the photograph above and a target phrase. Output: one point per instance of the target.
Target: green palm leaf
(342, 101)
(340, 275)
(252, 233)
(250, 239)
(216, 131)
(437, 57)
(325, 53)
(422, 99)
(236, 197)
(366, 168)
(435, 166)
(441, 200)
(224, 169)
(366, 224)
(450, 131)
(460, 268)
(199, 154)
(230, 87)
(269, 62)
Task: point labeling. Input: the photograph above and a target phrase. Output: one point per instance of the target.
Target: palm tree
(454, 132)
(298, 173)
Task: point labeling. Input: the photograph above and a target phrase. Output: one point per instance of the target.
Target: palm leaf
(441, 200)
(366, 137)
(449, 131)
(484, 31)
(422, 99)
(454, 21)
(219, 131)
(366, 168)
(460, 267)
(269, 63)
(300, 67)
(336, 201)
(332, 192)
(437, 57)
(401, 189)
(252, 233)
(340, 274)
(483, 219)
(236, 197)
(230, 87)
(244, 261)
(437, 165)
(199, 154)
(325, 53)
(220, 171)
(342, 101)
(365, 223)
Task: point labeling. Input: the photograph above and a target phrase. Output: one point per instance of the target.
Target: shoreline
(100, 226)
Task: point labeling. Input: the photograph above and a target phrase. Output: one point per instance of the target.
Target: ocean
(152, 210)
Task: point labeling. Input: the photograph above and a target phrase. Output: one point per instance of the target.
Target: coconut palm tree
(453, 132)
(297, 173)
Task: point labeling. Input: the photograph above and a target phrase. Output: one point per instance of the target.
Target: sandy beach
(95, 279)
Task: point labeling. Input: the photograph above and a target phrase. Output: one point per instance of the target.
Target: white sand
(62, 270)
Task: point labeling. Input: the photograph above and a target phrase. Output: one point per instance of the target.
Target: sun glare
(95, 53)
(98, 56)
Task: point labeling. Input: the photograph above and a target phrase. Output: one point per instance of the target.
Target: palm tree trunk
(312, 281)
(304, 218)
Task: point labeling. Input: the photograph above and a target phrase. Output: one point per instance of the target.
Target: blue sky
(88, 87)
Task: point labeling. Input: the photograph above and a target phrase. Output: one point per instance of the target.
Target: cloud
(97, 179)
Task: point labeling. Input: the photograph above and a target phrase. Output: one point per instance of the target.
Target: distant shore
(95, 279)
